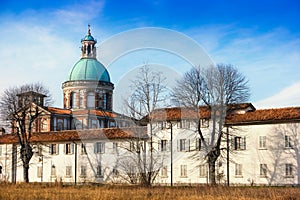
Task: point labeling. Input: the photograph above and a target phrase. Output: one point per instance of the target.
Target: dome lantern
(88, 49)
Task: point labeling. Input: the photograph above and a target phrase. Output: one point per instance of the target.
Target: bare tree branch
(215, 87)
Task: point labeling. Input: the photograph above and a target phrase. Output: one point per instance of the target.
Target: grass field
(44, 191)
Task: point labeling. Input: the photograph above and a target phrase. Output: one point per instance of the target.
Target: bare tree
(148, 92)
(215, 87)
(20, 107)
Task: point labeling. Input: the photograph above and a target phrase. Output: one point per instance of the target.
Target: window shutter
(233, 142)
(57, 149)
(95, 147)
(178, 145)
(244, 143)
(169, 145)
(65, 148)
(50, 148)
(103, 147)
(188, 147)
(72, 148)
(200, 144)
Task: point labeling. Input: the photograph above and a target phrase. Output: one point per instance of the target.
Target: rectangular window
(288, 170)
(238, 169)
(262, 142)
(132, 146)
(83, 149)
(185, 124)
(54, 149)
(53, 170)
(99, 147)
(83, 170)
(183, 171)
(69, 148)
(99, 171)
(162, 125)
(202, 171)
(183, 145)
(163, 145)
(263, 170)
(115, 147)
(164, 171)
(288, 141)
(39, 172)
(68, 171)
(239, 143)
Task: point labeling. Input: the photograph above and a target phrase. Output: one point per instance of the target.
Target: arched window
(91, 100)
(73, 100)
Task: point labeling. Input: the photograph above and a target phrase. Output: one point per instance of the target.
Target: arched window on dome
(91, 100)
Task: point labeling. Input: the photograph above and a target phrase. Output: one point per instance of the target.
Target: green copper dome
(88, 38)
(88, 69)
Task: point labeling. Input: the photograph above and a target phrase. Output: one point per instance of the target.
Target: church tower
(88, 83)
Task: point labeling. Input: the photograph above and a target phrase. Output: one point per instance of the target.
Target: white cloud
(287, 97)
(38, 46)
(77, 13)
(270, 60)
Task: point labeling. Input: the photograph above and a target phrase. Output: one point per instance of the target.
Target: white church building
(86, 141)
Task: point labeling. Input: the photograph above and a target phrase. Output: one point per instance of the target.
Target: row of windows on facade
(288, 142)
(185, 124)
(203, 171)
(237, 143)
(92, 101)
(99, 147)
(69, 173)
(183, 145)
(289, 170)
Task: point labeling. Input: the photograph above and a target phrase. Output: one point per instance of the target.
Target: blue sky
(40, 40)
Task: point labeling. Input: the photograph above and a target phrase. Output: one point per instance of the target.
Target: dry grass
(45, 191)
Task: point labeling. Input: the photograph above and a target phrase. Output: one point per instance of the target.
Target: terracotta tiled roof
(58, 111)
(104, 113)
(265, 116)
(76, 135)
(178, 113)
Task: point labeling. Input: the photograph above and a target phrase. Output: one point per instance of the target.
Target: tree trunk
(212, 158)
(212, 172)
(26, 155)
(26, 173)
